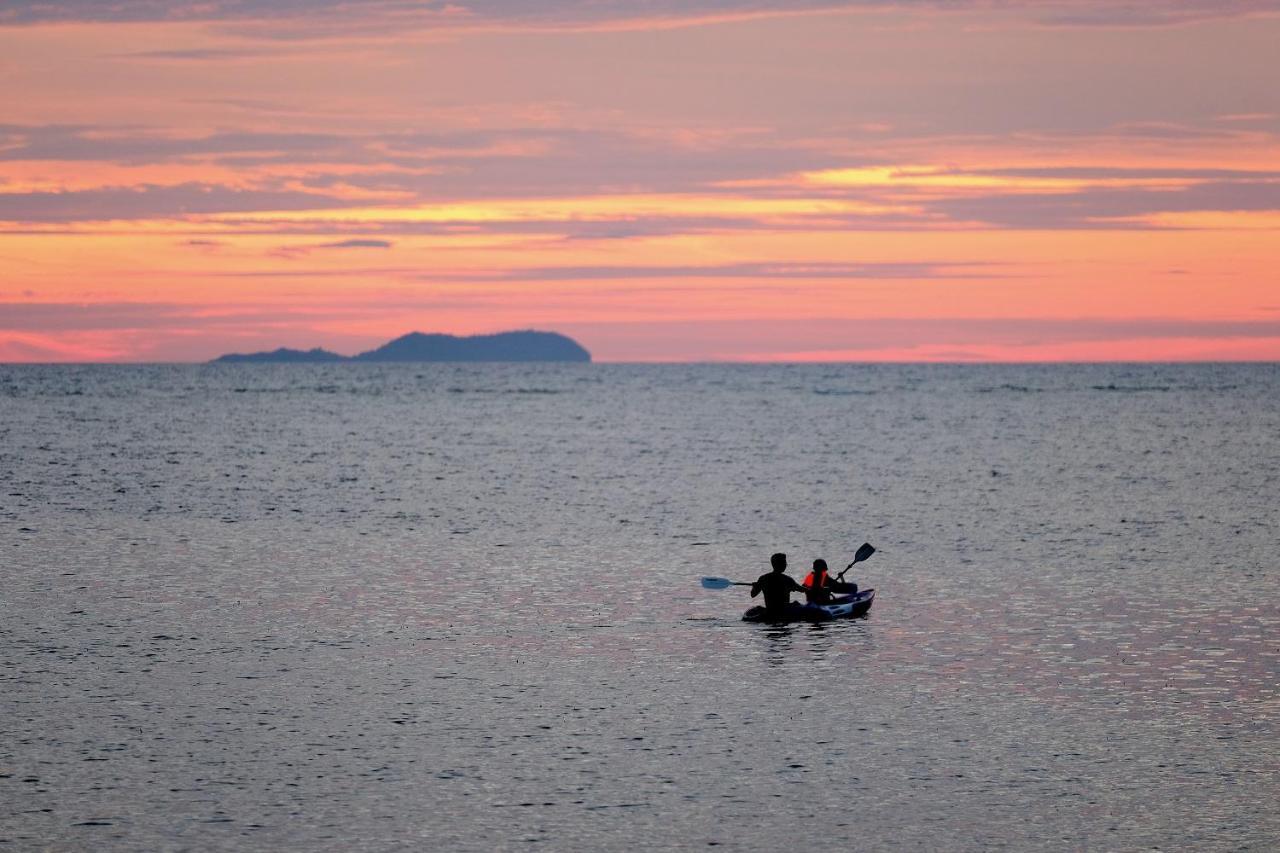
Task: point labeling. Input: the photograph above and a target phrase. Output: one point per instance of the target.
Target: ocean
(457, 607)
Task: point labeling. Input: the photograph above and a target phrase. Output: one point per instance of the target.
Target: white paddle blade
(716, 583)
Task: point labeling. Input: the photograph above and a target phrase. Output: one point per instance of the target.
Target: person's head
(779, 562)
(820, 567)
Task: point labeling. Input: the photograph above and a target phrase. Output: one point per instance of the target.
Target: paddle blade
(861, 554)
(716, 583)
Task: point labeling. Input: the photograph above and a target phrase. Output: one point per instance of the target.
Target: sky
(663, 180)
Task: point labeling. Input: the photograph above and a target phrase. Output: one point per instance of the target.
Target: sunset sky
(663, 180)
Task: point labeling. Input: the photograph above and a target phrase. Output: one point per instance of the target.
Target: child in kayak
(819, 586)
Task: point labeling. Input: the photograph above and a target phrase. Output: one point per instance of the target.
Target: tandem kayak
(847, 607)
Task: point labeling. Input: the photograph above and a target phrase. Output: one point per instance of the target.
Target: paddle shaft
(865, 551)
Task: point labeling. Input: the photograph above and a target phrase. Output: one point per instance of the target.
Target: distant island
(416, 346)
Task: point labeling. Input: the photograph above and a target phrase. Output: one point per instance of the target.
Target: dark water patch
(1017, 389)
(462, 390)
(1130, 389)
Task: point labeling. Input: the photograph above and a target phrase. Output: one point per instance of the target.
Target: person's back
(777, 586)
(818, 584)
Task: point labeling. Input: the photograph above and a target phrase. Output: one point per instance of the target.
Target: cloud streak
(759, 182)
(869, 332)
(357, 244)
(148, 202)
(1104, 207)
(791, 271)
(362, 14)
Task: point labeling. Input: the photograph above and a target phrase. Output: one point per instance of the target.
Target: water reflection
(810, 643)
(779, 643)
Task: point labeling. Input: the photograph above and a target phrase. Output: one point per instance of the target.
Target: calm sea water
(366, 607)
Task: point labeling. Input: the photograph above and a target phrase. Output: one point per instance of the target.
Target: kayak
(846, 607)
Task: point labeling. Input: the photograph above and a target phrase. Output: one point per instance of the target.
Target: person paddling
(777, 587)
(817, 584)
(820, 586)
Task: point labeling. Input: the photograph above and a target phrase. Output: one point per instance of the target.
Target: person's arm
(755, 588)
(797, 587)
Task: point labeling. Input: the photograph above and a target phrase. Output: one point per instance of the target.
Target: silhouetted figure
(820, 586)
(777, 587)
(815, 585)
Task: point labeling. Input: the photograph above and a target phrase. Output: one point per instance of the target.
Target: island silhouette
(417, 346)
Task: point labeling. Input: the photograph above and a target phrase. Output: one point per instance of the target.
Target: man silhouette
(777, 587)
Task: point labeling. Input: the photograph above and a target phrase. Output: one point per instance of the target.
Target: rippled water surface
(457, 607)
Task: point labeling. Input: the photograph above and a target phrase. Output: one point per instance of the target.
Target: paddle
(862, 553)
(721, 583)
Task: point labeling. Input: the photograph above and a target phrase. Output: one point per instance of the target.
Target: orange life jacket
(809, 580)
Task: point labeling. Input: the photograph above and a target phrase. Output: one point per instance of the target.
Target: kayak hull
(847, 607)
